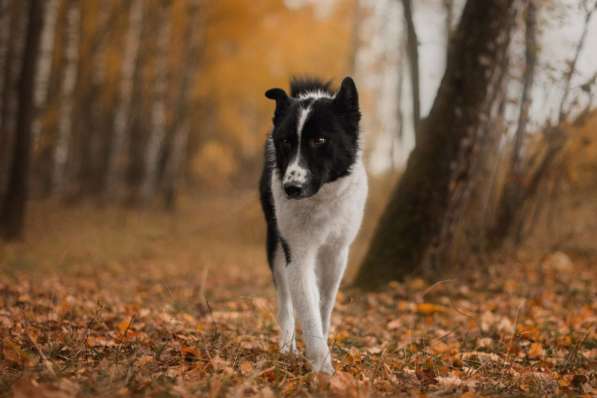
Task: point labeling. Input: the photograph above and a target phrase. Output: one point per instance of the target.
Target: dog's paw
(324, 366)
(288, 347)
(322, 362)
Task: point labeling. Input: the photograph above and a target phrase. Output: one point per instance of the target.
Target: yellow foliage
(215, 163)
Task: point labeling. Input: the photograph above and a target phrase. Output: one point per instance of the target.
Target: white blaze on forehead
(315, 94)
(295, 172)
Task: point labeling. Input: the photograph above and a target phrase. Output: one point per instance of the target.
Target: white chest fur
(333, 214)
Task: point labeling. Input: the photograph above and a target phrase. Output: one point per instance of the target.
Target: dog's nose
(293, 190)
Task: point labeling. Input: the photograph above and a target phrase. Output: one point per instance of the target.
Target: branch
(572, 69)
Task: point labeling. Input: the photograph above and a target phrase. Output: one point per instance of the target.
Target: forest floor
(104, 302)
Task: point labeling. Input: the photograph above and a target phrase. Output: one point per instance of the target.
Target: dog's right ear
(282, 102)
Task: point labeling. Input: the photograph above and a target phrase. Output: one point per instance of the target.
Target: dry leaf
(536, 351)
(428, 308)
(246, 368)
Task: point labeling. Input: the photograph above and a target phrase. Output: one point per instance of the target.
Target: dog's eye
(285, 141)
(318, 141)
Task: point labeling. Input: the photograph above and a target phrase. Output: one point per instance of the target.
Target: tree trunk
(412, 46)
(119, 145)
(181, 125)
(44, 66)
(93, 123)
(157, 132)
(4, 45)
(65, 123)
(12, 211)
(12, 35)
(449, 10)
(437, 166)
(513, 191)
(572, 65)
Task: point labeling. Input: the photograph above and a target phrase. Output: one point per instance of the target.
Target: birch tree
(119, 145)
(65, 123)
(376, 64)
(157, 132)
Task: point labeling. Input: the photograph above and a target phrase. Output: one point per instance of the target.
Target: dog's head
(315, 135)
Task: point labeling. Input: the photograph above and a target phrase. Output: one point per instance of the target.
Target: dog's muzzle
(296, 181)
(294, 190)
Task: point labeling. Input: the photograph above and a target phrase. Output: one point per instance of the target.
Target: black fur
(329, 143)
(305, 84)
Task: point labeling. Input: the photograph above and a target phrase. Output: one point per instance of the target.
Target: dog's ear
(347, 98)
(282, 102)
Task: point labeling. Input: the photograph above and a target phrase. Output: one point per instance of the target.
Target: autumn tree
(438, 169)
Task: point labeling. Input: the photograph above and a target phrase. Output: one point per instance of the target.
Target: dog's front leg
(285, 310)
(305, 301)
(332, 262)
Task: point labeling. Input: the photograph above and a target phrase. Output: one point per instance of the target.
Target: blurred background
(132, 131)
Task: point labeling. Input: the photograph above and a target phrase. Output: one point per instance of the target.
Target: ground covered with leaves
(201, 322)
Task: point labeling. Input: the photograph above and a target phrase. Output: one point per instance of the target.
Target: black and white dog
(313, 193)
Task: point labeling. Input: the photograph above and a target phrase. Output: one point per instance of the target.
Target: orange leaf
(246, 367)
(536, 351)
(429, 308)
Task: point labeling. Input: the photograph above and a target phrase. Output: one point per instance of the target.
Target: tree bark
(65, 123)
(417, 209)
(412, 45)
(119, 145)
(12, 211)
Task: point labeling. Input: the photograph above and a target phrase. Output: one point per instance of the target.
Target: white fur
(319, 231)
(295, 172)
(316, 94)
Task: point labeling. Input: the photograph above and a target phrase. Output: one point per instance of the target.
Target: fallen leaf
(536, 351)
(429, 308)
(246, 368)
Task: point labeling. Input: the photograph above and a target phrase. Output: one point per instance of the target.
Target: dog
(313, 191)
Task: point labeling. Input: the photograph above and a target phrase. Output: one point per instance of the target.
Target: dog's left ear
(282, 102)
(347, 98)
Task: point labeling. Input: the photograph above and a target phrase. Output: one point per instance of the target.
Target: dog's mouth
(296, 192)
